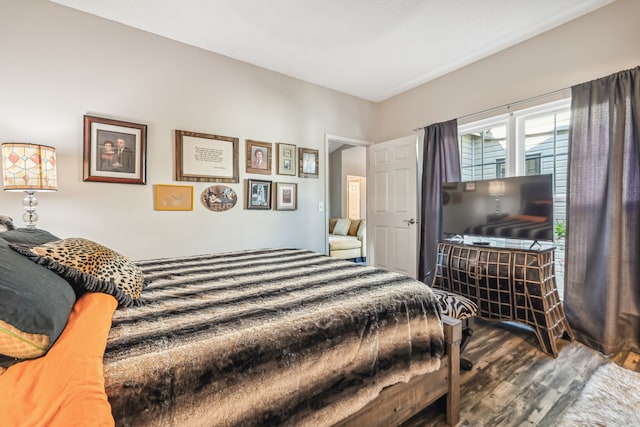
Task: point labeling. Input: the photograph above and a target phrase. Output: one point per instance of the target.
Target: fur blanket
(266, 337)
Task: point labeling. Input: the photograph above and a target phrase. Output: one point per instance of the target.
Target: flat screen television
(511, 208)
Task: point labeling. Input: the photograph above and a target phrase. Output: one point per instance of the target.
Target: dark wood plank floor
(512, 383)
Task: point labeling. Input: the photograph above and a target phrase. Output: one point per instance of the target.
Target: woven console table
(507, 284)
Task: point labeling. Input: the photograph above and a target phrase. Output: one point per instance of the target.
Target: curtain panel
(441, 163)
(602, 291)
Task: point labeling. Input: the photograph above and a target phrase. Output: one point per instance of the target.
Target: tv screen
(512, 208)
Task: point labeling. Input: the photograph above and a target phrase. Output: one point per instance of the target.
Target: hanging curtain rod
(507, 106)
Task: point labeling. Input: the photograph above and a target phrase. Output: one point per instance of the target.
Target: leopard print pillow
(89, 266)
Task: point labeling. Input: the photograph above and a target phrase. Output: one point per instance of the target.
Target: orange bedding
(66, 386)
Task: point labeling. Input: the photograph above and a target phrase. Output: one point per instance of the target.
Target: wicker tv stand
(507, 283)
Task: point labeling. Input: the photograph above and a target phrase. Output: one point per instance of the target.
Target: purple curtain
(602, 291)
(441, 163)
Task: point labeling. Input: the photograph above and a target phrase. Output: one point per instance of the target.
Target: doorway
(346, 163)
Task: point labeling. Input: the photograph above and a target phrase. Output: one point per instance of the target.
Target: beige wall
(59, 64)
(595, 45)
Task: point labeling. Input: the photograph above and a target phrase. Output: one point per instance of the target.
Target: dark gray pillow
(28, 236)
(35, 304)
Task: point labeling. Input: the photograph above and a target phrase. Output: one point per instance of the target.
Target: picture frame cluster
(115, 152)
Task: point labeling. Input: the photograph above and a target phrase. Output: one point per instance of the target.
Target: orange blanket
(66, 386)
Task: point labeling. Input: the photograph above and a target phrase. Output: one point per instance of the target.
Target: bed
(260, 337)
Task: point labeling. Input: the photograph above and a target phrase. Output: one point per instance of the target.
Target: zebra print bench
(461, 308)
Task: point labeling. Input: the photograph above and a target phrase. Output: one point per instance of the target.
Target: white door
(353, 198)
(393, 228)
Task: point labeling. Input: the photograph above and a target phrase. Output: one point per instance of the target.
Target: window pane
(482, 151)
(547, 138)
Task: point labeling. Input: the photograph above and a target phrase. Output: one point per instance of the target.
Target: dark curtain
(602, 291)
(441, 163)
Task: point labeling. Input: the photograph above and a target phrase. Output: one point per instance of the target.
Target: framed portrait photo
(308, 163)
(286, 159)
(258, 194)
(258, 157)
(201, 157)
(286, 196)
(114, 151)
(173, 197)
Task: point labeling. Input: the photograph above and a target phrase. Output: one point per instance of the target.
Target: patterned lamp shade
(496, 188)
(29, 167)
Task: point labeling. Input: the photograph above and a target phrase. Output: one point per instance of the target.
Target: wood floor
(512, 383)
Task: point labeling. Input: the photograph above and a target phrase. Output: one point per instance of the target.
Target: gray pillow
(35, 304)
(28, 236)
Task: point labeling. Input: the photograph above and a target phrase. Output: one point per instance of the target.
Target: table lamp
(29, 168)
(496, 188)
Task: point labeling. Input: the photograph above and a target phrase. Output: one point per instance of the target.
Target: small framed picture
(469, 186)
(201, 157)
(173, 197)
(308, 163)
(258, 194)
(286, 159)
(258, 157)
(286, 196)
(219, 198)
(114, 151)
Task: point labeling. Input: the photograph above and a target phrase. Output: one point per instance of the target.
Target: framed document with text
(201, 157)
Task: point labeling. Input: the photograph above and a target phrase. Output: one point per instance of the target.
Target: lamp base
(30, 217)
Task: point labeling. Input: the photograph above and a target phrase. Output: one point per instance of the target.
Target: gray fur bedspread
(266, 337)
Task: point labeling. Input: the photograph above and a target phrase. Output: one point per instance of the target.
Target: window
(526, 142)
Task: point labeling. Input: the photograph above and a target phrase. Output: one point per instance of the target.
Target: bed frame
(398, 403)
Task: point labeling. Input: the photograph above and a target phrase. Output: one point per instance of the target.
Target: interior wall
(335, 182)
(595, 45)
(59, 64)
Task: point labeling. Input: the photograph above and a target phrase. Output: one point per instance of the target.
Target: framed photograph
(308, 163)
(469, 186)
(114, 151)
(258, 194)
(201, 157)
(219, 198)
(258, 157)
(286, 159)
(286, 196)
(173, 197)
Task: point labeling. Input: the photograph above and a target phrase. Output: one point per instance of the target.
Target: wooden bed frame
(398, 403)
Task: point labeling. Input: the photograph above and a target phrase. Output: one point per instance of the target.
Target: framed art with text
(202, 157)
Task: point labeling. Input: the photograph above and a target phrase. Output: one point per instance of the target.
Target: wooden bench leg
(452, 337)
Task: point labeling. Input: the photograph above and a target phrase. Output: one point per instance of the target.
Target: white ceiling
(372, 49)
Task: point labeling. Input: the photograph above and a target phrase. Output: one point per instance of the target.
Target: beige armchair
(348, 238)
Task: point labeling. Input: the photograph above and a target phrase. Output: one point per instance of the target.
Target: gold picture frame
(286, 159)
(202, 157)
(285, 195)
(173, 197)
(258, 157)
(308, 163)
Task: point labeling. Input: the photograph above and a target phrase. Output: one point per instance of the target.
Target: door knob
(410, 221)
